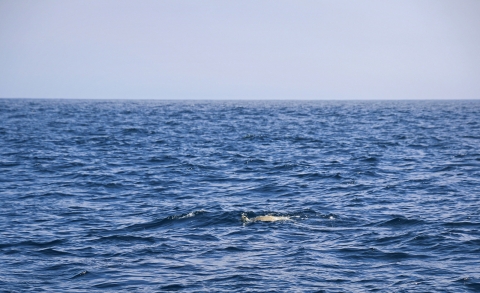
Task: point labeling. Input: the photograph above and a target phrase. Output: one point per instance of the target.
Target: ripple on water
(148, 196)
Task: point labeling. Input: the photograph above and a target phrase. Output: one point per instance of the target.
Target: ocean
(147, 196)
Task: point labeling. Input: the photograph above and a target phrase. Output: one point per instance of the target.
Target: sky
(245, 49)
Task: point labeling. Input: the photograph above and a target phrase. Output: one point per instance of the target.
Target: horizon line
(240, 99)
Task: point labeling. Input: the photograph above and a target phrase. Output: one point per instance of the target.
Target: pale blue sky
(248, 49)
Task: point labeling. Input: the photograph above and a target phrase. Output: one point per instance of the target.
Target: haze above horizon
(323, 50)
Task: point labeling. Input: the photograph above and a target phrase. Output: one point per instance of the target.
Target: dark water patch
(399, 222)
(126, 238)
(9, 164)
(172, 287)
(465, 224)
(310, 176)
(31, 243)
(233, 249)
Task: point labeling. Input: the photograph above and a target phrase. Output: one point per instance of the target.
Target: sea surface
(147, 196)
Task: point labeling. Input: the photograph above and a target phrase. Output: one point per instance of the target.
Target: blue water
(146, 196)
